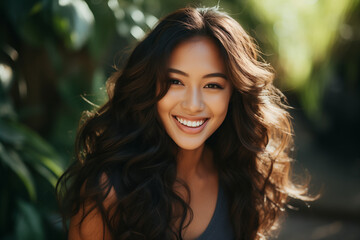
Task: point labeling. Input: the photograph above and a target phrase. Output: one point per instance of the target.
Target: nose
(193, 101)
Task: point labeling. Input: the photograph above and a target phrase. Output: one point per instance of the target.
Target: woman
(192, 143)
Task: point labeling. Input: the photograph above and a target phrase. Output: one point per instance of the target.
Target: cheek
(219, 104)
(162, 109)
(170, 99)
(164, 106)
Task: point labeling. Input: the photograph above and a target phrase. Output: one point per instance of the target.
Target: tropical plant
(29, 168)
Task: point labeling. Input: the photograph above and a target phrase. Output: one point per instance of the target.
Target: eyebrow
(210, 75)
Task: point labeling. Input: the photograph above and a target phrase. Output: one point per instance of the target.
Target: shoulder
(88, 223)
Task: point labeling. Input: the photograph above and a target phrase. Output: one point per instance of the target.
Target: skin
(92, 226)
(199, 93)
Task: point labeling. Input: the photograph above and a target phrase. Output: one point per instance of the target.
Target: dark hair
(125, 140)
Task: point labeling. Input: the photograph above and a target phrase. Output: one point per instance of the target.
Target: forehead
(197, 53)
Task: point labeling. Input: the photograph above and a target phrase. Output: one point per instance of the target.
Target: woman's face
(197, 101)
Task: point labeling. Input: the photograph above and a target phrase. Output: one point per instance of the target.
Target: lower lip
(190, 130)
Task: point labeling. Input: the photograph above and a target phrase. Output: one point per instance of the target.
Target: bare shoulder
(92, 226)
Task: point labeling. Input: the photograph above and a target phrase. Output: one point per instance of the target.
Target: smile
(189, 123)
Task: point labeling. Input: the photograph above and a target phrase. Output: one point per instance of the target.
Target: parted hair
(125, 140)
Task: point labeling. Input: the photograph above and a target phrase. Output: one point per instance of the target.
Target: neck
(194, 164)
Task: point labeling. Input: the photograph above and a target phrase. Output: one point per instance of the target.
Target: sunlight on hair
(88, 101)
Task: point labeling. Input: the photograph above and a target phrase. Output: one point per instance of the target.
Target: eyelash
(210, 85)
(178, 82)
(214, 86)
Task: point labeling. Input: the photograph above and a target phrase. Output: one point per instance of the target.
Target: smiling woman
(192, 143)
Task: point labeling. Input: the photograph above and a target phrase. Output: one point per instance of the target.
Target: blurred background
(54, 53)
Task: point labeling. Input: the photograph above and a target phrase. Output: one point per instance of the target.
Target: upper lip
(191, 118)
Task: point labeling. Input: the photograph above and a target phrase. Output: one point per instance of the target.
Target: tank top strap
(220, 226)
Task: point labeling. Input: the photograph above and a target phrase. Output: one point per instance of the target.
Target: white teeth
(189, 123)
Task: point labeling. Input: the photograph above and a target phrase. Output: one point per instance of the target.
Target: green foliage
(28, 222)
(303, 33)
(25, 159)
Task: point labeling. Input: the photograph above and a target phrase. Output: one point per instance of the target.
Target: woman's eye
(175, 81)
(213, 85)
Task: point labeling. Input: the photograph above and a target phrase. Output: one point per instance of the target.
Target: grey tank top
(220, 226)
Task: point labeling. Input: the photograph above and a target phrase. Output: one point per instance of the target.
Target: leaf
(51, 165)
(35, 143)
(46, 173)
(15, 163)
(10, 135)
(34, 157)
(31, 148)
(28, 222)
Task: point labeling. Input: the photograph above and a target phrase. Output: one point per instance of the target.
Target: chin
(189, 145)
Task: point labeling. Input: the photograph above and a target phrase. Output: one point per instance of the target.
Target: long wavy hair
(125, 139)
